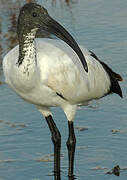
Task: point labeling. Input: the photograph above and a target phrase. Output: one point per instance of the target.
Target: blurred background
(26, 151)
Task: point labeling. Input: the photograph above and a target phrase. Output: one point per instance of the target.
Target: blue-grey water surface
(26, 151)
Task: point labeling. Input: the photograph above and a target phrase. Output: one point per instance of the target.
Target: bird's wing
(61, 70)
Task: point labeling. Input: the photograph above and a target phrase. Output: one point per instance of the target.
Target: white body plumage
(52, 75)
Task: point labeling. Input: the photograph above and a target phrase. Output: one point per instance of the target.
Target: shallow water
(25, 146)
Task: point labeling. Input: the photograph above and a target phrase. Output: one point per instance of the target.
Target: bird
(55, 73)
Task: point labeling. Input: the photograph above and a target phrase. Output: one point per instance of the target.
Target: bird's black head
(34, 17)
(31, 17)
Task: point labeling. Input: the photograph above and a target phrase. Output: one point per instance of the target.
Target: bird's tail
(114, 77)
(118, 77)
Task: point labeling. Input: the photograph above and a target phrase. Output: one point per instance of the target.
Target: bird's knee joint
(71, 142)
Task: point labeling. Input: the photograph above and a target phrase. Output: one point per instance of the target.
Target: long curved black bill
(55, 28)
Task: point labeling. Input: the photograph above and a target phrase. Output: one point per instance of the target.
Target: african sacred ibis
(47, 73)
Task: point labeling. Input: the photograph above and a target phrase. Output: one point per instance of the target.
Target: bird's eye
(34, 14)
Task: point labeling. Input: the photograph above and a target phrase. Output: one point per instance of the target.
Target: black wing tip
(115, 87)
(120, 93)
(118, 77)
(114, 77)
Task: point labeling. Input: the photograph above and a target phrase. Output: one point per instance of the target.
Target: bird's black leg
(71, 143)
(56, 139)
